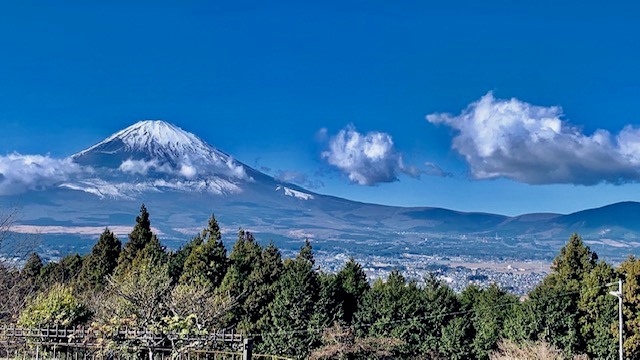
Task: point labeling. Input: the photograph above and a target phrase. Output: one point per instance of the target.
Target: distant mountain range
(182, 180)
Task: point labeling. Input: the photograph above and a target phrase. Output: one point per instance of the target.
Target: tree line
(290, 307)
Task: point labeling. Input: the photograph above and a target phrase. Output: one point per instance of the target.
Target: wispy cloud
(533, 144)
(22, 173)
(367, 159)
(298, 178)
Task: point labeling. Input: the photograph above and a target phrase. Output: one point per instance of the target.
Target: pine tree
(244, 258)
(178, 258)
(101, 262)
(575, 260)
(32, 268)
(139, 237)
(293, 307)
(262, 286)
(488, 310)
(353, 285)
(207, 263)
(598, 313)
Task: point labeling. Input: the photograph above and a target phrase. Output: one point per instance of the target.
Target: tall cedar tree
(551, 313)
(293, 307)
(262, 282)
(353, 285)
(139, 237)
(178, 258)
(598, 312)
(244, 258)
(101, 262)
(207, 263)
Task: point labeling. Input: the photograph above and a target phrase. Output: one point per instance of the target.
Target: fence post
(247, 349)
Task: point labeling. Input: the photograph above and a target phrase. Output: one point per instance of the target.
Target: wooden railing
(88, 343)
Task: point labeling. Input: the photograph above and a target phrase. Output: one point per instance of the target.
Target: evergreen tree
(488, 310)
(262, 286)
(629, 270)
(139, 237)
(401, 310)
(552, 309)
(293, 307)
(353, 285)
(575, 260)
(598, 312)
(101, 262)
(64, 271)
(178, 258)
(32, 268)
(207, 263)
(244, 258)
(328, 308)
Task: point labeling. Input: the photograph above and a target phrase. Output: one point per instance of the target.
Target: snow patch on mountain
(294, 193)
(126, 190)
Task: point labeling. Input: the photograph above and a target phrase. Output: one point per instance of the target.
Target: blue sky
(276, 84)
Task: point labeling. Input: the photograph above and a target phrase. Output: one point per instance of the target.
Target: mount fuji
(183, 180)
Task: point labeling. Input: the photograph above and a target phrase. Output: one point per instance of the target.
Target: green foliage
(575, 260)
(56, 307)
(138, 298)
(488, 310)
(63, 271)
(139, 237)
(261, 289)
(207, 263)
(101, 262)
(397, 309)
(293, 307)
(598, 313)
(32, 268)
(178, 258)
(200, 305)
(353, 285)
(630, 272)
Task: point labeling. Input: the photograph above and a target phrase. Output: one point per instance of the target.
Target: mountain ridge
(185, 179)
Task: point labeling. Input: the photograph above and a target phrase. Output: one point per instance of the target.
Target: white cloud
(142, 167)
(533, 144)
(188, 171)
(367, 159)
(21, 173)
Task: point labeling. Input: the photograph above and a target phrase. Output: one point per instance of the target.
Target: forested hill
(291, 308)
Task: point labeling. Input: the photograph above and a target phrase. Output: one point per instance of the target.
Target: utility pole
(619, 295)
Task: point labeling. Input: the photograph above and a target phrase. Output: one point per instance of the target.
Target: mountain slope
(182, 180)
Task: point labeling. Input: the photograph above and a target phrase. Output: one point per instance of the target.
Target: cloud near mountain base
(22, 173)
(532, 144)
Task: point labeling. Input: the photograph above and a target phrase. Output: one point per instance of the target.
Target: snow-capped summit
(154, 140)
(152, 155)
(161, 146)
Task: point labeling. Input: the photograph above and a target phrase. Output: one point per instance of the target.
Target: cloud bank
(367, 159)
(22, 173)
(533, 144)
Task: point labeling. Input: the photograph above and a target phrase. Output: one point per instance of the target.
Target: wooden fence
(90, 344)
